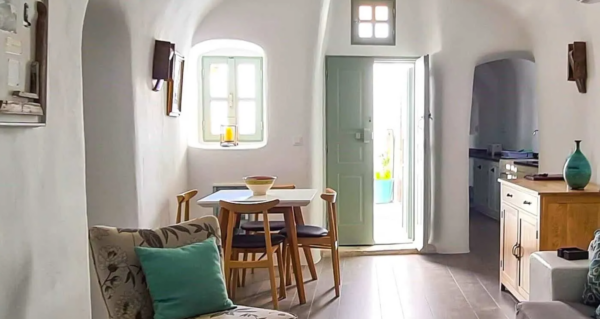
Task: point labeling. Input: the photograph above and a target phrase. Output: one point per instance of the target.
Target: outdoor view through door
(392, 83)
(377, 148)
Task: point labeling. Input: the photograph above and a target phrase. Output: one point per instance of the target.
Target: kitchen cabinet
(486, 198)
(541, 216)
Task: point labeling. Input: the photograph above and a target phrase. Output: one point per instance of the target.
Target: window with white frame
(374, 22)
(232, 93)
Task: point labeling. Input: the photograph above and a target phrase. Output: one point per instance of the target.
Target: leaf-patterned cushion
(591, 293)
(118, 269)
(249, 313)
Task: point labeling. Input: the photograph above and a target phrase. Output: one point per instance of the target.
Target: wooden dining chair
(271, 244)
(320, 238)
(185, 199)
(256, 226)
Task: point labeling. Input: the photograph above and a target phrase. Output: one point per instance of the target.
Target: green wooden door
(350, 145)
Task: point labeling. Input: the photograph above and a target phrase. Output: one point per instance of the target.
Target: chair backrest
(248, 208)
(330, 196)
(184, 199)
(118, 269)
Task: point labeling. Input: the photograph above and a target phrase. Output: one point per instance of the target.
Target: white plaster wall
(288, 33)
(458, 34)
(565, 114)
(317, 131)
(108, 116)
(417, 32)
(136, 155)
(43, 268)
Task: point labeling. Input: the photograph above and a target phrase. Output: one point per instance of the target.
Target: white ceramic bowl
(259, 184)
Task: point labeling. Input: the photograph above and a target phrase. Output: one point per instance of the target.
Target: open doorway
(504, 135)
(392, 95)
(377, 130)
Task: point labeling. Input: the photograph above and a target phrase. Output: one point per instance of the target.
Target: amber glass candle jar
(229, 135)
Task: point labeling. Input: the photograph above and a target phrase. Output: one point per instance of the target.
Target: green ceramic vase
(577, 171)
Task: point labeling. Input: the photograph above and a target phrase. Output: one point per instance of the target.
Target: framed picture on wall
(175, 86)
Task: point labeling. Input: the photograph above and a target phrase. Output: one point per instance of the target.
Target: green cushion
(591, 293)
(185, 282)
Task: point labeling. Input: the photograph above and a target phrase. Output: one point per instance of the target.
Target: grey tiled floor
(396, 287)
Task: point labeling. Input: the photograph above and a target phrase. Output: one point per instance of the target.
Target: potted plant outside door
(384, 181)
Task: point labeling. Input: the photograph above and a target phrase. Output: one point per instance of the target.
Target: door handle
(514, 251)
(509, 195)
(527, 203)
(518, 251)
(367, 136)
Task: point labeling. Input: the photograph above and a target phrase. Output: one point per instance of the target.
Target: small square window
(382, 30)
(365, 13)
(381, 13)
(365, 30)
(373, 22)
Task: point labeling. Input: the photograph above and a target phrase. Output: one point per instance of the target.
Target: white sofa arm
(554, 278)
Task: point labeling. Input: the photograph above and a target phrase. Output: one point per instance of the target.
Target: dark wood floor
(406, 286)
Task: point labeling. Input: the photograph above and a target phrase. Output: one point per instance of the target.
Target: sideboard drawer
(520, 200)
(528, 202)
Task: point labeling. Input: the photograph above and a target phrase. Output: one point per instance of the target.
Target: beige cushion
(118, 269)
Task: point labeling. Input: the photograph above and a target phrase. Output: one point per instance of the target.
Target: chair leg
(288, 266)
(281, 266)
(335, 259)
(235, 281)
(244, 271)
(253, 255)
(273, 283)
(310, 262)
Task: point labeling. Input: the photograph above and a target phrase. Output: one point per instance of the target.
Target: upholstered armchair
(122, 280)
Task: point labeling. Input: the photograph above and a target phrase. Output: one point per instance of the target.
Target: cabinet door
(480, 187)
(493, 194)
(509, 228)
(528, 244)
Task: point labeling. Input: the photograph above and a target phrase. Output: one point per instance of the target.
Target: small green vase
(577, 171)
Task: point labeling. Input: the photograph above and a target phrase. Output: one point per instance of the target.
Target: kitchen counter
(534, 163)
(483, 154)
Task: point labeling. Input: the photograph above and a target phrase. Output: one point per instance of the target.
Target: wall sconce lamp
(161, 64)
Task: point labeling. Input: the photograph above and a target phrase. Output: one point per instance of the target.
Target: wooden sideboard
(541, 216)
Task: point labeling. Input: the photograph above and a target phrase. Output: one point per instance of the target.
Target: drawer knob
(509, 195)
(527, 203)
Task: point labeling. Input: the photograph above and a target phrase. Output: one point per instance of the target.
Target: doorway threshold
(378, 250)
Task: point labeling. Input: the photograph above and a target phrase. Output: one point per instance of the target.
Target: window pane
(365, 30)
(219, 80)
(381, 13)
(382, 30)
(218, 116)
(246, 81)
(365, 13)
(247, 117)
